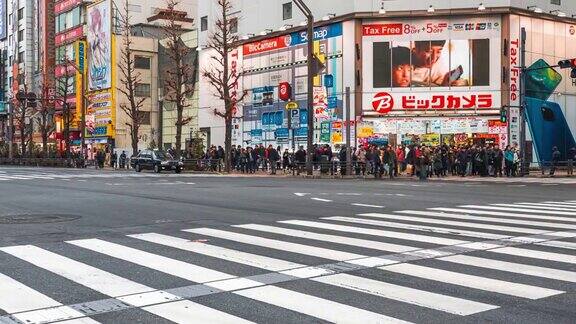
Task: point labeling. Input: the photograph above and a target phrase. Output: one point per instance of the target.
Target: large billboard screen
(99, 37)
(3, 19)
(427, 65)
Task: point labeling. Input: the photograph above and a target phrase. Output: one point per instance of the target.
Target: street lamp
(310, 144)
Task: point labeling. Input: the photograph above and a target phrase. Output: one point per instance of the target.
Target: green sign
(325, 132)
(2, 107)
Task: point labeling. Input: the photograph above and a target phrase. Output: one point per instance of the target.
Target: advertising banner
(320, 104)
(99, 37)
(99, 112)
(432, 65)
(3, 19)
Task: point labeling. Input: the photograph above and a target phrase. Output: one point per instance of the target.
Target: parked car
(156, 160)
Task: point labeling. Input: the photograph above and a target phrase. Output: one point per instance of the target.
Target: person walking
(273, 157)
(300, 159)
(508, 161)
(571, 156)
(122, 161)
(555, 160)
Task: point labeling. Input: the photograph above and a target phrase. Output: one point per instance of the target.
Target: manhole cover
(36, 218)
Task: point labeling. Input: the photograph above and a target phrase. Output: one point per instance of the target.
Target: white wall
(258, 15)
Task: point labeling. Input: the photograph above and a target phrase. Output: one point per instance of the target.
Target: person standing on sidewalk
(300, 157)
(571, 157)
(555, 160)
(273, 157)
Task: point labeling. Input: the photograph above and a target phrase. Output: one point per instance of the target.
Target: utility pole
(10, 130)
(523, 163)
(306, 11)
(348, 148)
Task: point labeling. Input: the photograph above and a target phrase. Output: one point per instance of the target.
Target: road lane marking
(368, 206)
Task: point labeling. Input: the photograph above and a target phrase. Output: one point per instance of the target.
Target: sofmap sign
(3, 20)
(292, 39)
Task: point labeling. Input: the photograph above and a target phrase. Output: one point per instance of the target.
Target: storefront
(426, 79)
(433, 81)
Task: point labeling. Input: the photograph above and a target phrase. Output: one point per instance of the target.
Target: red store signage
(383, 102)
(69, 35)
(66, 5)
(284, 91)
(382, 29)
(267, 45)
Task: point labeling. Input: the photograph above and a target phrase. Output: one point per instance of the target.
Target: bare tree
(224, 75)
(129, 79)
(63, 91)
(22, 120)
(45, 115)
(180, 74)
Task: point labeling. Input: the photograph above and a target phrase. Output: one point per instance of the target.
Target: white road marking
(375, 232)
(167, 265)
(165, 305)
(451, 222)
(15, 297)
(424, 228)
(534, 254)
(497, 220)
(531, 206)
(555, 205)
(506, 214)
(214, 251)
(368, 206)
(316, 307)
(321, 199)
(513, 267)
(408, 295)
(476, 282)
(330, 238)
(522, 210)
(301, 194)
(277, 244)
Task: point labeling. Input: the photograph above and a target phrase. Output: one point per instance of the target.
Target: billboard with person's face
(99, 37)
(429, 65)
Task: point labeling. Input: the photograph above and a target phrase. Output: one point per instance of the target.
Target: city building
(437, 72)
(77, 21)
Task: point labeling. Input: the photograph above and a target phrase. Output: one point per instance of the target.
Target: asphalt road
(93, 246)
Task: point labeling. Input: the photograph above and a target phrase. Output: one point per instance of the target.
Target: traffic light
(567, 64)
(503, 115)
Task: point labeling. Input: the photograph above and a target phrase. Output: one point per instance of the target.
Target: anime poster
(99, 37)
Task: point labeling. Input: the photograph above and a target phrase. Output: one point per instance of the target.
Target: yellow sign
(292, 105)
(337, 137)
(431, 139)
(365, 131)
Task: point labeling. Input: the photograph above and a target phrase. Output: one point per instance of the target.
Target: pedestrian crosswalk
(437, 264)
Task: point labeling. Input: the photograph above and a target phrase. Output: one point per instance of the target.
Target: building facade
(439, 73)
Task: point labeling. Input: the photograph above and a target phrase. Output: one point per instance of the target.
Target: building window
(287, 11)
(144, 117)
(142, 90)
(556, 2)
(142, 62)
(20, 35)
(134, 8)
(20, 13)
(21, 57)
(204, 23)
(234, 25)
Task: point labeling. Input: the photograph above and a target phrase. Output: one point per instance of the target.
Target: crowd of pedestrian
(413, 160)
